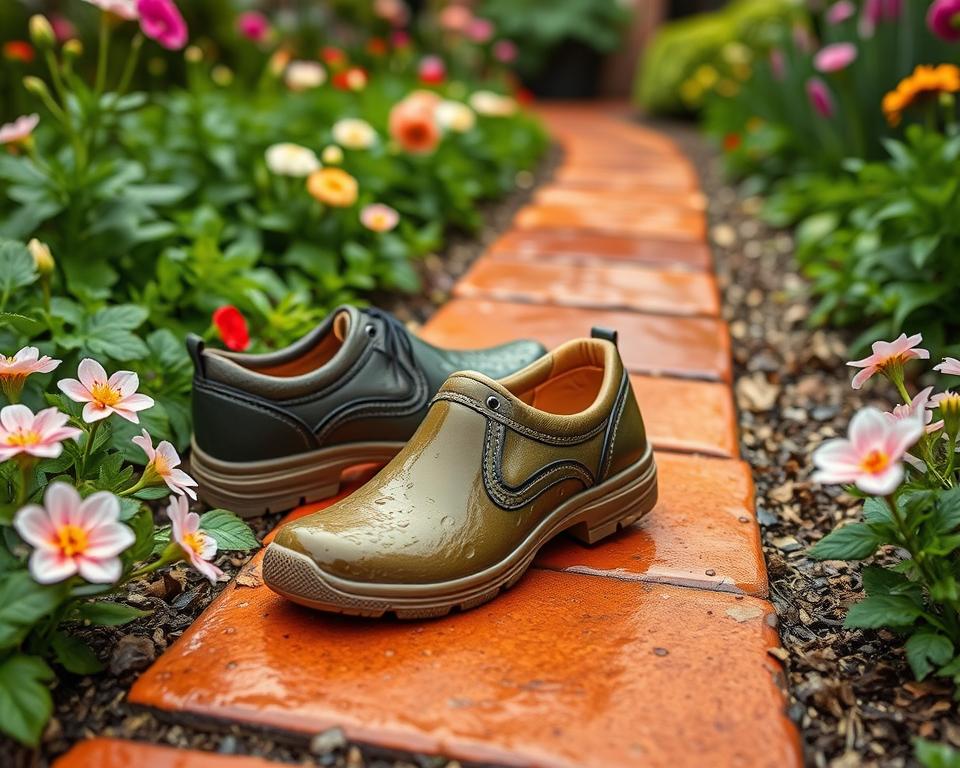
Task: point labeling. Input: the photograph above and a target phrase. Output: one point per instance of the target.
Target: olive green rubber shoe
(496, 470)
(275, 431)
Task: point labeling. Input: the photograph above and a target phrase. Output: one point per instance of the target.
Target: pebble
(132, 653)
(331, 740)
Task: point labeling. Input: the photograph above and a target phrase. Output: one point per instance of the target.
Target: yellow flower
(706, 76)
(925, 81)
(333, 186)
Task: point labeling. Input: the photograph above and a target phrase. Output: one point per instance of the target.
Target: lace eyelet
(493, 403)
(371, 330)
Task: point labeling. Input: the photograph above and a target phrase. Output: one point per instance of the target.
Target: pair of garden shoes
(489, 455)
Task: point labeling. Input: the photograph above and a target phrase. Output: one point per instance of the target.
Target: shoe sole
(590, 516)
(253, 488)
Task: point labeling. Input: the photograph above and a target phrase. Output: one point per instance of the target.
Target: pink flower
(840, 11)
(378, 217)
(778, 64)
(73, 536)
(19, 130)
(63, 28)
(455, 18)
(820, 98)
(919, 407)
(943, 18)
(802, 39)
(480, 30)
(198, 547)
(125, 9)
(505, 51)
(102, 395)
(40, 435)
(160, 20)
(950, 366)
(833, 58)
(871, 457)
(254, 26)
(400, 38)
(163, 463)
(886, 355)
(432, 70)
(394, 12)
(14, 370)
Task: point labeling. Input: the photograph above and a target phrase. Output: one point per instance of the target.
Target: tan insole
(569, 392)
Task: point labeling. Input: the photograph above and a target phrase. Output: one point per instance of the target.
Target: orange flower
(925, 81)
(333, 186)
(18, 50)
(413, 125)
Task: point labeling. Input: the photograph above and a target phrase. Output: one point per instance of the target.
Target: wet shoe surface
(497, 469)
(276, 430)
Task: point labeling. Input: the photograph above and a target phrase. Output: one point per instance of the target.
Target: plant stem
(24, 487)
(87, 449)
(102, 53)
(131, 64)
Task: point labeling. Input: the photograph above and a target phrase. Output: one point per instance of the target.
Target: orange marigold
(925, 81)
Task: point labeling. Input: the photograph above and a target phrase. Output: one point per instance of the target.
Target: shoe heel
(619, 509)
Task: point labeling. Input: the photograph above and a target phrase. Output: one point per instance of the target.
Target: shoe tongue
(342, 325)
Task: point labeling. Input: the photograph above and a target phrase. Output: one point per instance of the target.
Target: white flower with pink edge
(887, 354)
(19, 130)
(163, 462)
(105, 395)
(40, 435)
(871, 457)
(73, 536)
(199, 548)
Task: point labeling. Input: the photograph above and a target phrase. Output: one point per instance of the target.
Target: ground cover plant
(237, 186)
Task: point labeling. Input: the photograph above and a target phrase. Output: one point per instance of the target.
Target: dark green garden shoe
(496, 470)
(274, 431)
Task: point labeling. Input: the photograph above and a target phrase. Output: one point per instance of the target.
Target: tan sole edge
(590, 517)
(255, 488)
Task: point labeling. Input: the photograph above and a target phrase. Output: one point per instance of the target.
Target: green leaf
(142, 525)
(882, 611)
(21, 323)
(926, 651)
(106, 614)
(75, 655)
(882, 581)
(851, 542)
(25, 701)
(153, 493)
(876, 511)
(922, 248)
(17, 269)
(23, 603)
(230, 532)
(932, 755)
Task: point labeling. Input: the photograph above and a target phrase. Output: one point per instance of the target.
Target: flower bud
(41, 32)
(73, 49)
(950, 411)
(193, 54)
(36, 86)
(42, 258)
(332, 155)
(221, 75)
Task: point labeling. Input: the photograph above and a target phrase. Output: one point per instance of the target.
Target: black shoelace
(396, 340)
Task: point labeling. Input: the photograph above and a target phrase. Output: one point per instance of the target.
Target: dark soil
(852, 693)
(90, 706)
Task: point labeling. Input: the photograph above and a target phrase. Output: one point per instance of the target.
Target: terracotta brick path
(650, 649)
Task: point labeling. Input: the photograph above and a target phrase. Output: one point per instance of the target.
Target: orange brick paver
(647, 650)
(114, 753)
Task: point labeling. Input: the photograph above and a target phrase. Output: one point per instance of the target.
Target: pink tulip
(163, 462)
(19, 130)
(871, 458)
(39, 435)
(943, 18)
(102, 395)
(160, 20)
(833, 58)
(199, 548)
(73, 536)
(820, 98)
(840, 11)
(950, 366)
(254, 26)
(887, 356)
(918, 407)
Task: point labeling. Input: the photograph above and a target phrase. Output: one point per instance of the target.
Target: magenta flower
(19, 130)
(39, 435)
(162, 464)
(73, 536)
(950, 366)
(480, 30)
(254, 26)
(820, 98)
(840, 11)
(871, 457)
(198, 548)
(833, 58)
(918, 407)
(102, 395)
(943, 18)
(160, 20)
(888, 355)
(505, 51)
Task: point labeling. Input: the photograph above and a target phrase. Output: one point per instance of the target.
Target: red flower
(377, 46)
(232, 327)
(333, 57)
(351, 79)
(732, 142)
(18, 50)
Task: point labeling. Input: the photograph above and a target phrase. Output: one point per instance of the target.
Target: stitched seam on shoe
(620, 408)
(469, 402)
